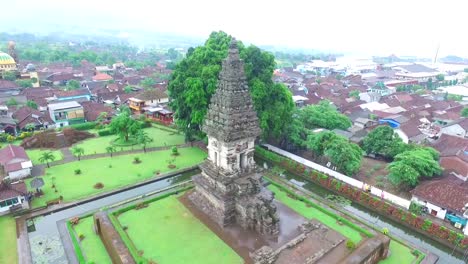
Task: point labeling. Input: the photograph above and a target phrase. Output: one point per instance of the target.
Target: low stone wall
(370, 252)
(116, 248)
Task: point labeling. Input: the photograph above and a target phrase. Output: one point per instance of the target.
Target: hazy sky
(403, 27)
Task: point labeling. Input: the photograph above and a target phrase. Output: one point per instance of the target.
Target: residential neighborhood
(122, 141)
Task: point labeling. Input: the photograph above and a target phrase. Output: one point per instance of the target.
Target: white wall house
(13, 196)
(14, 163)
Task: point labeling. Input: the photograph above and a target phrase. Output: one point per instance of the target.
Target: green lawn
(313, 213)
(399, 254)
(160, 138)
(8, 251)
(114, 173)
(35, 154)
(91, 246)
(168, 233)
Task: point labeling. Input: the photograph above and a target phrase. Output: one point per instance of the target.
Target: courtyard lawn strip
(113, 173)
(35, 154)
(399, 254)
(166, 232)
(161, 138)
(92, 247)
(8, 250)
(313, 213)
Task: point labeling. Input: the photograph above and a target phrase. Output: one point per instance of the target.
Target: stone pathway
(67, 155)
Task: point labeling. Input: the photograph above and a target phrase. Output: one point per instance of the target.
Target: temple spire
(231, 115)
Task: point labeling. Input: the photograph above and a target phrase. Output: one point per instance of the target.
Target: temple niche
(229, 190)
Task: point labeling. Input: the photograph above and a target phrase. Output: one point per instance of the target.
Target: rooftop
(64, 105)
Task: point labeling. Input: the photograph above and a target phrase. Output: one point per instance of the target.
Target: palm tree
(46, 157)
(143, 139)
(78, 152)
(110, 150)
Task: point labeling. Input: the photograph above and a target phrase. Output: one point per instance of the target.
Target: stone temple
(229, 190)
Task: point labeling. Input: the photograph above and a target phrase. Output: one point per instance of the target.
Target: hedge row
(364, 198)
(323, 210)
(76, 245)
(105, 132)
(84, 126)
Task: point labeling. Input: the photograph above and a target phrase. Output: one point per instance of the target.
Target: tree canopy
(346, 156)
(464, 112)
(31, 104)
(323, 115)
(195, 78)
(383, 141)
(124, 125)
(409, 166)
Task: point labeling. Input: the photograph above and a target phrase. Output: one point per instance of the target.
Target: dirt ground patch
(374, 172)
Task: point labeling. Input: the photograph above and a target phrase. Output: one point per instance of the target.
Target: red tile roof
(102, 77)
(11, 157)
(93, 109)
(448, 192)
(12, 191)
(449, 145)
(26, 115)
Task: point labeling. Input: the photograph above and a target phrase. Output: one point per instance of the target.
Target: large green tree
(195, 78)
(323, 115)
(383, 141)
(124, 125)
(409, 166)
(346, 156)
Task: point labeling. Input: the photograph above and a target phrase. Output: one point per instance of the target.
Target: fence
(353, 182)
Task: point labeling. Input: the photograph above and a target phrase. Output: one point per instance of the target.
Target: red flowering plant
(433, 229)
(464, 243)
(443, 232)
(418, 222)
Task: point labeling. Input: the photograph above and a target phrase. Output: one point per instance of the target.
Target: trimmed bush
(350, 244)
(105, 132)
(77, 171)
(84, 126)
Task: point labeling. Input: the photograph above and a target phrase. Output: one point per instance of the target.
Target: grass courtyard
(8, 251)
(160, 138)
(113, 173)
(313, 213)
(35, 154)
(166, 232)
(399, 252)
(92, 246)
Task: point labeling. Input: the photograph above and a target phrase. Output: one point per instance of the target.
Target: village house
(92, 110)
(8, 88)
(60, 78)
(102, 77)
(160, 114)
(445, 198)
(13, 196)
(459, 128)
(66, 113)
(14, 163)
(25, 116)
(153, 97)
